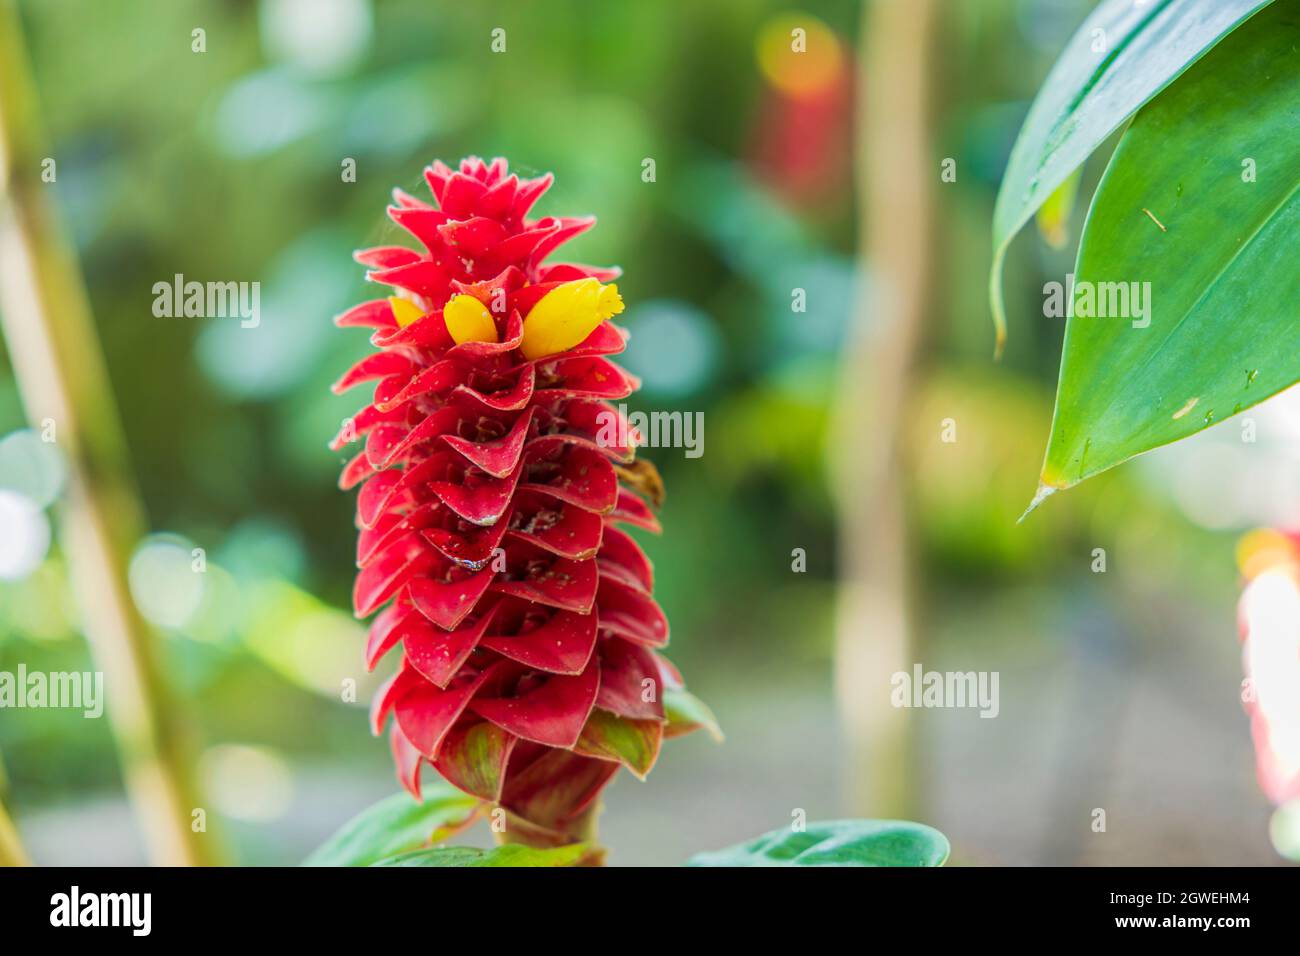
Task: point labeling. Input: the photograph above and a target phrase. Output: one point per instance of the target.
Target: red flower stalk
(490, 510)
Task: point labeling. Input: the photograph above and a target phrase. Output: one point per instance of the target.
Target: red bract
(490, 507)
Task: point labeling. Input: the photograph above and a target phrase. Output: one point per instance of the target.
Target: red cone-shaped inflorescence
(496, 480)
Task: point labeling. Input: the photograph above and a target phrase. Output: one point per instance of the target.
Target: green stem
(64, 385)
(581, 829)
(876, 632)
(11, 847)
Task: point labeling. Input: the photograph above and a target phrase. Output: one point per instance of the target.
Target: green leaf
(837, 843)
(686, 712)
(395, 824)
(1100, 80)
(511, 854)
(1175, 208)
(633, 743)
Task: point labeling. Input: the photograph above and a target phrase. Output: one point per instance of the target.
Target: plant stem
(65, 388)
(581, 829)
(11, 847)
(896, 172)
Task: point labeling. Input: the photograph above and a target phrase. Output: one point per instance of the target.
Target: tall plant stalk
(874, 630)
(65, 388)
(11, 847)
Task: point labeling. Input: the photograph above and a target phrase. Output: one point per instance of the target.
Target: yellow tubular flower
(468, 321)
(566, 315)
(404, 311)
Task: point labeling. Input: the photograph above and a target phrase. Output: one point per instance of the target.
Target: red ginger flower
(490, 509)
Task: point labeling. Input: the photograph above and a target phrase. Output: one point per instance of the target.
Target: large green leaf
(509, 855)
(1177, 208)
(1100, 80)
(837, 843)
(396, 824)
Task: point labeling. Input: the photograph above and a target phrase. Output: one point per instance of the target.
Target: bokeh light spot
(323, 37)
(674, 347)
(31, 467)
(253, 784)
(24, 536)
(164, 584)
(265, 111)
(799, 64)
(263, 361)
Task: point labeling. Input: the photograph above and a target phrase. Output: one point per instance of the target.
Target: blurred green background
(1119, 690)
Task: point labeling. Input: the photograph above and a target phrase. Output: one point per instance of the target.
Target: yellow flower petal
(404, 311)
(468, 321)
(567, 315)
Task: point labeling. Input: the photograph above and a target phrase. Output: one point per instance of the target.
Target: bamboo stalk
(895, 176)
(61, 376)
(11, 847)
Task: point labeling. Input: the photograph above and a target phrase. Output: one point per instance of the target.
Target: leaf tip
(1044, 492)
